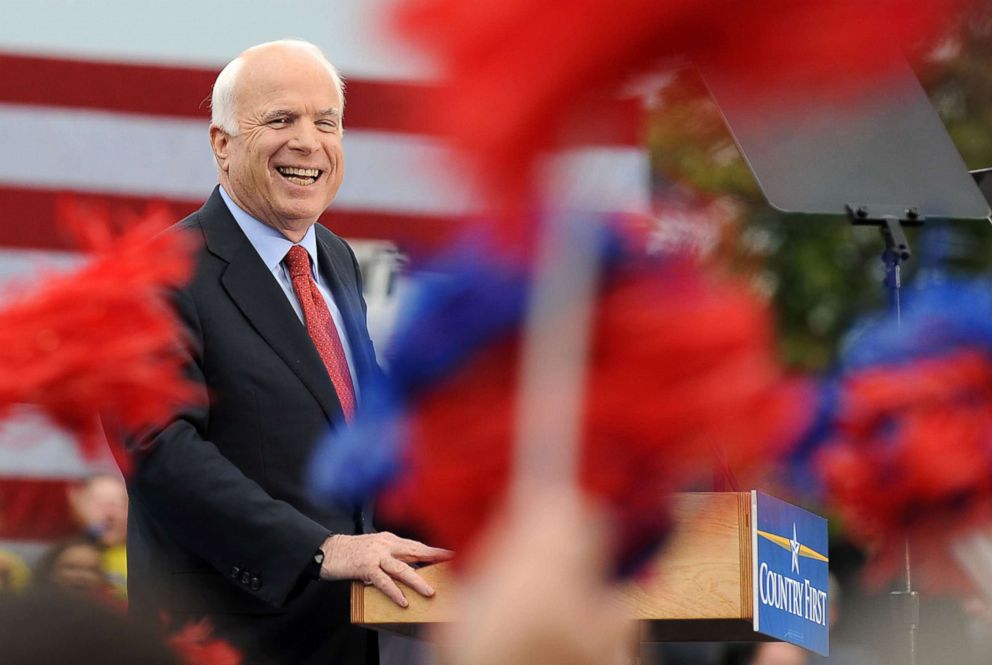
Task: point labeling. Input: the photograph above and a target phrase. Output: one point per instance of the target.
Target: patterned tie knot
(298, 262)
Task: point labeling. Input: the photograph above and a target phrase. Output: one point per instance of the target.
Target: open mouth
(298, 176)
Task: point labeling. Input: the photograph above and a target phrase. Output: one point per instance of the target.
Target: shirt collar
(270, 244)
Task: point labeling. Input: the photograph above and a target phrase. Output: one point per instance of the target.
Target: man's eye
(279, 122)
(327, 125)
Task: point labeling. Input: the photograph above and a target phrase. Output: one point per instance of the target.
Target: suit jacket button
(256, 584)
(246, 578)
(235, 572)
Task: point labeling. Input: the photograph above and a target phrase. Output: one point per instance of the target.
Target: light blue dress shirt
(273, 246)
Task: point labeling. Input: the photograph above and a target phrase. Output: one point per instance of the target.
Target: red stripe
(35, 509)
(175, 91)
(31, 222)
(184, 92)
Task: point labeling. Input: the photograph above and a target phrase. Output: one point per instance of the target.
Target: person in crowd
(765, 653)
(99, 506)
(74, 564)
(15, 574)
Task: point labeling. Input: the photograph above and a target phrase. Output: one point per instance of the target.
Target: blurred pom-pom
(465, 298)
(352, 463)
(910, 455)
(100, 340)
(678, 364)
(195, 645)
(567, 61)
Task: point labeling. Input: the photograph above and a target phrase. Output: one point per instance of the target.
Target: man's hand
(379, 559)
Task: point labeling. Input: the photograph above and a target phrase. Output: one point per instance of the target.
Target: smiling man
(220, 524)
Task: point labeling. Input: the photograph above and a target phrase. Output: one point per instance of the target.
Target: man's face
(100, 506)
(286, 163)
(78, 567)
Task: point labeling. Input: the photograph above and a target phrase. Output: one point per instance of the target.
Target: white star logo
(794, 546)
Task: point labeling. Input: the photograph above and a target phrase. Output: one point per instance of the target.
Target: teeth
(292, 170)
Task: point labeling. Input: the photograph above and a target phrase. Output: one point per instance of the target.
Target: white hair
(223, 111)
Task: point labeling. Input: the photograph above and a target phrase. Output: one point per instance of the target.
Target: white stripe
(384, 172)
(108, 152)
(20, 267)
(600, 180)
(105, 152)
(402, 173)
(31, 447)
(352, 33)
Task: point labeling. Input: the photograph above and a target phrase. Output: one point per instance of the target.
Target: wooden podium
(698, 589)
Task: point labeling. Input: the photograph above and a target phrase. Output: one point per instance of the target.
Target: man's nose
(304, 138)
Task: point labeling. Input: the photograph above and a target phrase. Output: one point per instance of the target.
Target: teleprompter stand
(905, 602)
(877, 153)
(896, 249)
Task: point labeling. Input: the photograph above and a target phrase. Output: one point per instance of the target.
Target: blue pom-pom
(462, 301)
(352, 463)
(937, 319)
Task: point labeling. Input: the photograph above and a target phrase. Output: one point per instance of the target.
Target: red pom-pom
(194, 646)
(101, 339)
(913, 460)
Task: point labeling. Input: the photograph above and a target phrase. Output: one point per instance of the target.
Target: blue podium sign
(790, 573)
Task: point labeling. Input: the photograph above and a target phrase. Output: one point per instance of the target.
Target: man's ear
(220, 141)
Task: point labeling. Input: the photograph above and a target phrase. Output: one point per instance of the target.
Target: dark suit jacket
(220, 522)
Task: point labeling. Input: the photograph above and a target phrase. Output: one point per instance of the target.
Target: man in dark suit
(220, 523)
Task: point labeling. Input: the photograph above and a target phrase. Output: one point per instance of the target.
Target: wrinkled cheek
(335, 154)
(262, 184)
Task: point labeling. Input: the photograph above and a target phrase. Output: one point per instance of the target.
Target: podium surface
(699, 587)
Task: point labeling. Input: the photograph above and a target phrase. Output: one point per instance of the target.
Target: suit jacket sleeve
(209, 506)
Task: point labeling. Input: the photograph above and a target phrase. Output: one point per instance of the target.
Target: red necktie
(321, 327)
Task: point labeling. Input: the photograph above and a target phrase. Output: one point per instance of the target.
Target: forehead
(105, 486)
(285, 78)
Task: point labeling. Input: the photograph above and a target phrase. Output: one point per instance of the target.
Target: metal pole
(905, 604)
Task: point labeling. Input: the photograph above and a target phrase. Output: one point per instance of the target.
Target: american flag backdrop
(105, 100)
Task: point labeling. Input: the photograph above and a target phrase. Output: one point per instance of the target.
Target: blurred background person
(99, 506)
(14, 573)
(765, 653)
(75, 564)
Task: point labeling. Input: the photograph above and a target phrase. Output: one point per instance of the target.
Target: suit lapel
(346, 297)
(262, 301)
